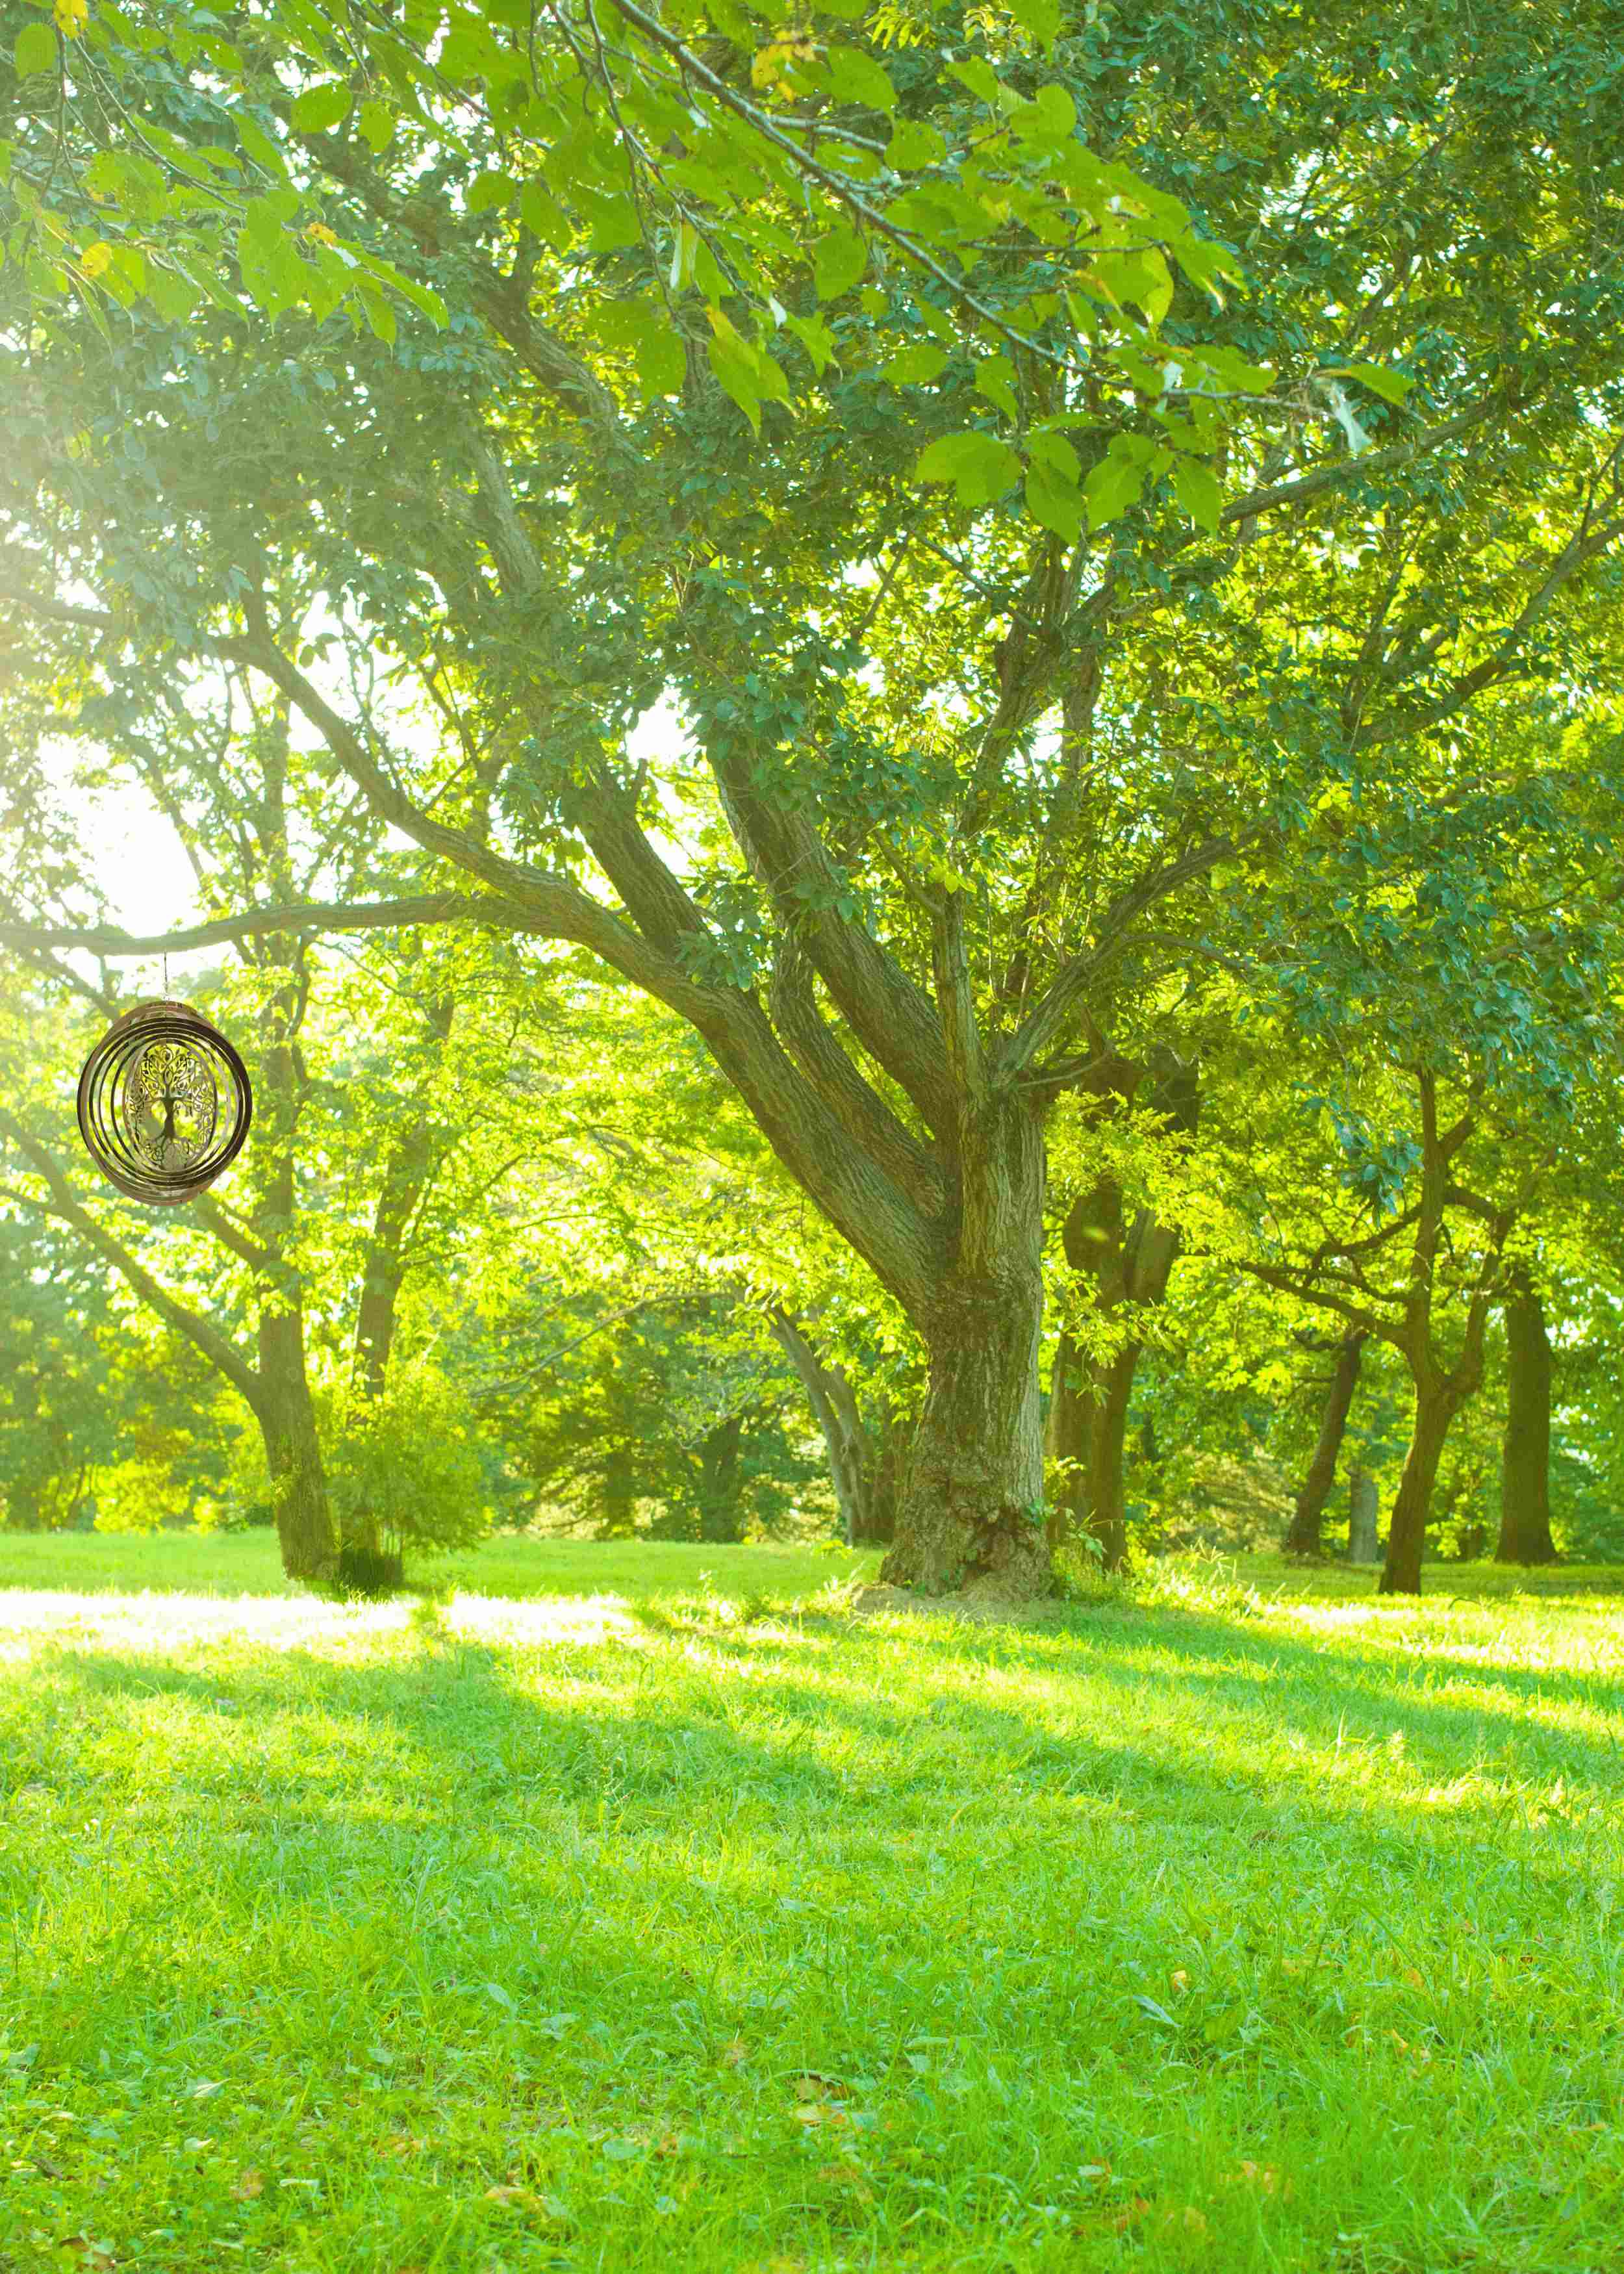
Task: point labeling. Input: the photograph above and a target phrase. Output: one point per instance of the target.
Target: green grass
(248, 1563)
(1210, 1928)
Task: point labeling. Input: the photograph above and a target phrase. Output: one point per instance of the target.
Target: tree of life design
(171, 1106)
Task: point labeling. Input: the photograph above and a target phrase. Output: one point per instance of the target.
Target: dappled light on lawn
(707, 1925)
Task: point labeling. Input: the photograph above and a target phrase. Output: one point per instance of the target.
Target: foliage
(406, 1460)
(749, 175)
(680, 1418)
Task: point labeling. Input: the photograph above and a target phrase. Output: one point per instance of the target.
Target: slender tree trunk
(878, 1527)
(1437, 1402)
(1127, 1263)
(286, 1417)
(1525, 1453)
(1087, 1430)
(971, 1515)
(619, 1518)
(1364, 1511)
(720, 1482)
(855, 1459)
(383, 1275)
(1303, 1538)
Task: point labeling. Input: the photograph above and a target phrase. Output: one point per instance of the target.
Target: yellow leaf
(97, 259)
(71, 17)
(247, 2186)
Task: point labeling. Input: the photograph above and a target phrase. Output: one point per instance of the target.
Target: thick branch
(310, 916)
(64, 1203)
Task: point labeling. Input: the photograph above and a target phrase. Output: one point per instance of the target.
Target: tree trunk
(1127, 1263)
(1436, 1406)
(1364, 1509)
(1303, 1538)
(878, 1526)
(286, 1417)
(1525, 1455)
(620, 1516)
(970, 1512)
(720, 1482)
(1087, 1429)
(863, 1474)
(971, 1515)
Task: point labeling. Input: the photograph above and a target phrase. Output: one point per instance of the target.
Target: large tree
(951, 777)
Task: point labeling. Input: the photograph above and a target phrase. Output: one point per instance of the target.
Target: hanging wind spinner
(164, 1104)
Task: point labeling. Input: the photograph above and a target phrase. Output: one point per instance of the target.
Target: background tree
(1110, 689)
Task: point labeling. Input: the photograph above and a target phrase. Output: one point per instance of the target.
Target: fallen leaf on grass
(507, 2195)
(97, 2255)
(809, 2085)
(1179, 1981)
(1264, 2177)
(819, 2112)
(847, 2176)
(247, 2186)
(1111, 2222)
(734, 2052)
(1189, 2220)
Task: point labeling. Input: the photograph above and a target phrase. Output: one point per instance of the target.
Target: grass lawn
(601, 1919)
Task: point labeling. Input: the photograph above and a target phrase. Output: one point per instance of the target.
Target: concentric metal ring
(164, 1104)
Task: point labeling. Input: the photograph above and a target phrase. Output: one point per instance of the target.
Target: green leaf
(980, 466)
(259, 146)
(1118, 481)
(980, 77)
(320, 107)
(380, 315)
(995, 377)
(1050, 117)
(735, 375)
(35, 50)
(1047, 448)
(1056, 503)
(543, 215)
(643, 325)
(1391, 386)
(816, 336)
(914, 144)
(838, 261)
(486, 191)
(1041, 18)
(917, 365)
(1195, 485)
(856, 78)
(375, 121)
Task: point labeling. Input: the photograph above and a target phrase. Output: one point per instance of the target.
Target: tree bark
(286, 1417)
(970, 1516)
(1364, 1509)
(720, 1482)
(970, 1511)
(1087, 1430)
(860, 1469)
(1303, 1538)
(1089, 1396)
(1437, 1402)
(1525, 1453)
